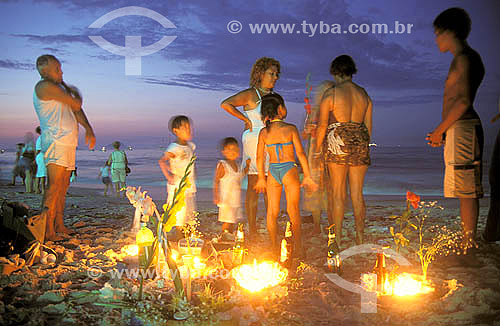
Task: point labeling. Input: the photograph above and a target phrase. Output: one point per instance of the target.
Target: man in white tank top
(59, 110)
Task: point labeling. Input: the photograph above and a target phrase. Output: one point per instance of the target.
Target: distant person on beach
(492, 231)
(460, 130)
(317, 201)
(27, 161)
(104, 174)
(265, 72)
(227, 186)
(18, 171)
(41, 170)
(59, 109)
(346, 121)
(74, 174)
(118, 162)
(281, 140)
(173, 164)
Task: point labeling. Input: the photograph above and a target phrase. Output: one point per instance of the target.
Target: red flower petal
(413, 199)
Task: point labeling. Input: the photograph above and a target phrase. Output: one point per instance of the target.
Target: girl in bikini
(281, 141)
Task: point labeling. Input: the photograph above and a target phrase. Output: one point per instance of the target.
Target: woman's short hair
(43, 60)
(456, 20)
(343, 65)
(259, 67)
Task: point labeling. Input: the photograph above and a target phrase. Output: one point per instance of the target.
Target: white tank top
(230, 186)
(255, 116)
(57, 121)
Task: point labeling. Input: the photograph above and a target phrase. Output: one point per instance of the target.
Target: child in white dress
(227, 185)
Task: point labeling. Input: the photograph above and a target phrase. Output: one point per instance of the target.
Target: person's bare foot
(53, 237)
(64, 235)
(65, 230)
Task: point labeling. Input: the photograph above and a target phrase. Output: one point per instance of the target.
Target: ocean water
(394, 170)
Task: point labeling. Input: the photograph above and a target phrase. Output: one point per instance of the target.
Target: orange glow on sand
(404, 284)
(258, 276)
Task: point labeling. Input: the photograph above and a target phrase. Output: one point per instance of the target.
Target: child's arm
(308, 182)
(260, 186)
(219, 173)
(110, 159)
(165, 168)
(100, 173)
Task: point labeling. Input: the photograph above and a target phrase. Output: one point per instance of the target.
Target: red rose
(413, 199)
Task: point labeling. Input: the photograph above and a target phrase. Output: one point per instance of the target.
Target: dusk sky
(403, 73)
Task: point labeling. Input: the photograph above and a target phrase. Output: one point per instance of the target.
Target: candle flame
(404, 284)
(130, 250)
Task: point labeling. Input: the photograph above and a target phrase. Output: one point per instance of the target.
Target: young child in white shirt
(227, 185)
(173, 164)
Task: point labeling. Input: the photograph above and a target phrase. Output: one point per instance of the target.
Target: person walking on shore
(118, 162)
(41, 170)
(59, 109)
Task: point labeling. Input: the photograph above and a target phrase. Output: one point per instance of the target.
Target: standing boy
(173, 164)
(460, 129)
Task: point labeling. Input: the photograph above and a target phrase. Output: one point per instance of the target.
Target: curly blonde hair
(259, 67)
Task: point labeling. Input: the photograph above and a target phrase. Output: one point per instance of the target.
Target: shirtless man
(460, 129)
(345, 122)
(59, 110)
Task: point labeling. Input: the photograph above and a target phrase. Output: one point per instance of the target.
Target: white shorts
(463, 153)
(118, 175)
(61, 155)
(186, 213)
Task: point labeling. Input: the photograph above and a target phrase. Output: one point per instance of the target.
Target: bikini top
(279, 147)
(254, 115)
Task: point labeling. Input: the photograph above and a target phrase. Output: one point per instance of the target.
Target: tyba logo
(368, 299)
(133, 50)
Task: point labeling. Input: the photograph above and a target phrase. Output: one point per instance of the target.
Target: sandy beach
(64, 293)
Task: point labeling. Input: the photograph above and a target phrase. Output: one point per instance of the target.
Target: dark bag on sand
(16, 235)
(127, 170)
